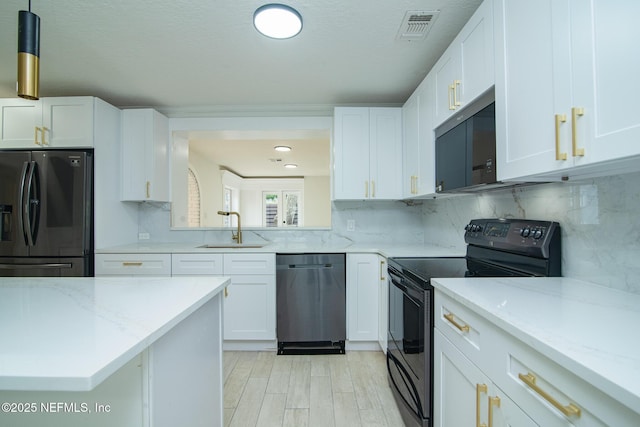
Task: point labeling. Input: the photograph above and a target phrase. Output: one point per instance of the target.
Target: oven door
(409, 355)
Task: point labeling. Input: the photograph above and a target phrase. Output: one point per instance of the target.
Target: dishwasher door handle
(310, 266)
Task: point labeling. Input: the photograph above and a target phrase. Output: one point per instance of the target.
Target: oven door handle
(408, 291)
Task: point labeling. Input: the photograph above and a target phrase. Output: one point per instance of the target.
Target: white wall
(317, 201)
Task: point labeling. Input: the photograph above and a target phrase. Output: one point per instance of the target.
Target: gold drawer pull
(462, 328)
(480, 388)
(132, 263)
(456, 85)
(493, 401)
(569, 410)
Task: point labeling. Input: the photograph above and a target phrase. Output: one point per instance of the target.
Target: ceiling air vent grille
(416, 25)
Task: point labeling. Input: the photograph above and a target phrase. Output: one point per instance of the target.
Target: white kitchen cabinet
(464, 396)
(363, 283)
(418, 117)
(197, 264)
(383, 304)
(59, 122)
(466, 69)
(145, 156)
(471, 353)
(564, 88)
(132, 264)
(367, 152)
(250, 300)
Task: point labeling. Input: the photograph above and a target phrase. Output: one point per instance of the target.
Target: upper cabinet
(65, 122)
(367, 151)
(418, 117)
(466, 69)
(145, 155)
(565, 88)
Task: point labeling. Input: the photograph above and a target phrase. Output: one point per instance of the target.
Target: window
(281, 209)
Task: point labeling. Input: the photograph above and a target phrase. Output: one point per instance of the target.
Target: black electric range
(495, 248)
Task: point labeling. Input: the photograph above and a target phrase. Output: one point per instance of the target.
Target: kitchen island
(111, 351)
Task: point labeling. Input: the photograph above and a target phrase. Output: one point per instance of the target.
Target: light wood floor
(263, 389)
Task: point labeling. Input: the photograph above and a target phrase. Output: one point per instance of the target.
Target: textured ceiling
(203, 57)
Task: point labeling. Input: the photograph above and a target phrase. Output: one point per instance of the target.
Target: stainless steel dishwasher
(311, 303)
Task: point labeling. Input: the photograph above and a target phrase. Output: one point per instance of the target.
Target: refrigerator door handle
(31, 220)
(23, 206)
(32, 266)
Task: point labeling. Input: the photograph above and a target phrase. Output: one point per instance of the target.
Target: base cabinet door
(362, 297)
(383, 304)
(250, 308)
(465, 396)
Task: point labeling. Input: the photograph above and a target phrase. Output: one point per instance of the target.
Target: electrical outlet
(143, 236)
(351, 225)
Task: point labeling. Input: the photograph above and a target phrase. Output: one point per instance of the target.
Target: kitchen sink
(233, 245)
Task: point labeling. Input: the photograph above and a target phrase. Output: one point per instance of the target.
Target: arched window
(194, 200)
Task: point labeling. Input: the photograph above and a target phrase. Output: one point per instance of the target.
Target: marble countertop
(588, 329)
(387, 250)
(69, 334)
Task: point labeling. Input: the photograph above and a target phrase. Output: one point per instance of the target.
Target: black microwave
(466, 149)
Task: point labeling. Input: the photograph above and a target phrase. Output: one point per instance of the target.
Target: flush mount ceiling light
(277, 21)
(28, 54)
(290, 166)
(282, 148)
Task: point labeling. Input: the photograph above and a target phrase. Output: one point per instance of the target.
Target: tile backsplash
(598, 217)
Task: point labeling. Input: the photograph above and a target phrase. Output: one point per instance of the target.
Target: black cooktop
(426, 268)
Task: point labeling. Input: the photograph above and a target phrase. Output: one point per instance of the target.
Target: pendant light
(277, 21)
(28, 54)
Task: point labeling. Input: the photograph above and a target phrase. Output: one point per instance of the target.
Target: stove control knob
(525, 232)
(537, 234)
(467, 227)
(479, 228)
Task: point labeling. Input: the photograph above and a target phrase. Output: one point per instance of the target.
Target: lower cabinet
(133, 264)
(383, 304)
(464, 396)
(249, 301)
(363, 278)
(485, 376)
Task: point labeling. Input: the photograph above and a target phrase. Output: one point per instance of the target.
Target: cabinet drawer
(469, 332)
(553, 395)
(249, 264)
(133, 264)
(196, 264)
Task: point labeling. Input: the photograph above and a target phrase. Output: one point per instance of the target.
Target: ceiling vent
(416, 25)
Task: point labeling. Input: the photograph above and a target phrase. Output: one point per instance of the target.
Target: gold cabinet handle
(456, 85)
(451, 101)
(373, 189)
(560, 118)
(132, 263)
(461, 328)
(148, 189)
(575, 113)
(36, 135)
(226, 291)
(44, 138)
(568, 410)
(366, 189)
(480, 388)
(414, 184)
(493, 402)
(382, 277)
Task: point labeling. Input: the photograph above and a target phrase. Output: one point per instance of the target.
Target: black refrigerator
(46, 208)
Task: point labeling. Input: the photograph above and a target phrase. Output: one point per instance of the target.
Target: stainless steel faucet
(238, 235)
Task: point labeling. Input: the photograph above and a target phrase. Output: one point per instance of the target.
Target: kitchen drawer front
(539, 385)
(133, 264)
(196, 264)
(472, 334)
(249, 264)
